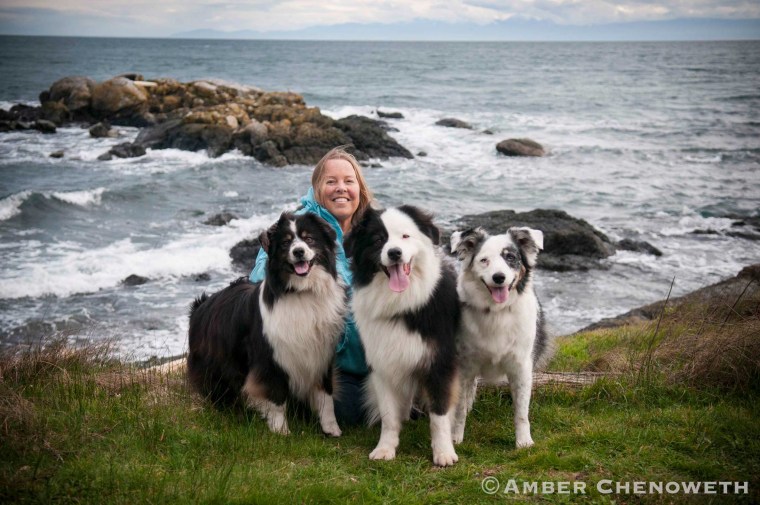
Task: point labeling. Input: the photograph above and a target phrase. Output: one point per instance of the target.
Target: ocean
(651, 141)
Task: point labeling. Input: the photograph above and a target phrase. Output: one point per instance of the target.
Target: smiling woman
(340, 188)
(339, 195)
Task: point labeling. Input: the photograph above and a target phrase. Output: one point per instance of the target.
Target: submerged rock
(389, 115)
(450, 122)
(221, 219)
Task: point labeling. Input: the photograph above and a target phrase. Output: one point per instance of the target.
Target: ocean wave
(70, 268)
(84, 198)
(10, 206)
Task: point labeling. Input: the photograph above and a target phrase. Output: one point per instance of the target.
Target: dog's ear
(267, 236)
(328, 234)
(349, 241)
(264, 239)
(424, 222)
(464, 243)
(529, 240)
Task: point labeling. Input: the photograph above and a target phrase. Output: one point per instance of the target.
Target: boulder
(520, 147)
(369, 138)
(57, 154)
(74, 91)
(134, 280)
(244, 254)
(569, 243)
(450, 122)
(124, 150)
(119, 98)
(102, 130)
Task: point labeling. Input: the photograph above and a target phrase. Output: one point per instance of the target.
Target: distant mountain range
(514, 29)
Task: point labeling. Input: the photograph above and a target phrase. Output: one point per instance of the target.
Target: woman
(339, 195)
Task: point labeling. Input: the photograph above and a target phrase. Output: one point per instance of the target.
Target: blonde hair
(318, 177)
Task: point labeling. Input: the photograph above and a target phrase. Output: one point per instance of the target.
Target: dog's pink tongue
(301, 267)
(399, 280)
(499, 295)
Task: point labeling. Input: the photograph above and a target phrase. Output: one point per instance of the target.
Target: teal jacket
(349, 354)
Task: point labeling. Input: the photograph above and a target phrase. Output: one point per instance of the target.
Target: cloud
(151, 18)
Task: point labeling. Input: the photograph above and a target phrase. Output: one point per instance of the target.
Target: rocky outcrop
(277, 128)
(520, 147)
(569, 243)
(745, 284)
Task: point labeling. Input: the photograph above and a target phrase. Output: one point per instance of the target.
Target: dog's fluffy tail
(543, 346)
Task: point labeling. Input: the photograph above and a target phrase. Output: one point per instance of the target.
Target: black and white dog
(263, 342)
(406, 307)
(502, 331)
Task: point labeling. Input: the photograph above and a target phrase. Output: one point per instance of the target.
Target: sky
(160, 18)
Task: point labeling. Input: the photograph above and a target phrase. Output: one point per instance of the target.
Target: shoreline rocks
(726, 291)
(276, 128)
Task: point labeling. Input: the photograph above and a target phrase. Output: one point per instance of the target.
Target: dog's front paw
(445, 457)
(524, 442)
(457, 435)
(281, 428)
(332, 430)
(383, 453)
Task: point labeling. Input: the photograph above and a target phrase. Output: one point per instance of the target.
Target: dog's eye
(484, 261)
(510, 257)
(286, 243)
(404, 236)
(379, 240)
(308, 240)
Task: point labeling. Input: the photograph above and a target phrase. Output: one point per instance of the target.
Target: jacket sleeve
(259, 269)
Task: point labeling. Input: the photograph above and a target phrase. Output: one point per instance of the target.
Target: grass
(79, 427)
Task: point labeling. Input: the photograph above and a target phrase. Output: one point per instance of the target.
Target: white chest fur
(303, 329)
(491, 341)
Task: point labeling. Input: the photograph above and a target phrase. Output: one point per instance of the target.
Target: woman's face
(340, 189)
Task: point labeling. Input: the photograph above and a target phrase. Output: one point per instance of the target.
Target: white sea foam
(70, 268)
(231, 194)
(11, 205)
(82, 198)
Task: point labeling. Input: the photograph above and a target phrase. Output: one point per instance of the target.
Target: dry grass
(701, 342)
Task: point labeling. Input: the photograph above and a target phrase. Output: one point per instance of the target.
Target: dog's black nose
(394, 254)
(499, 278)
(298, 253)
